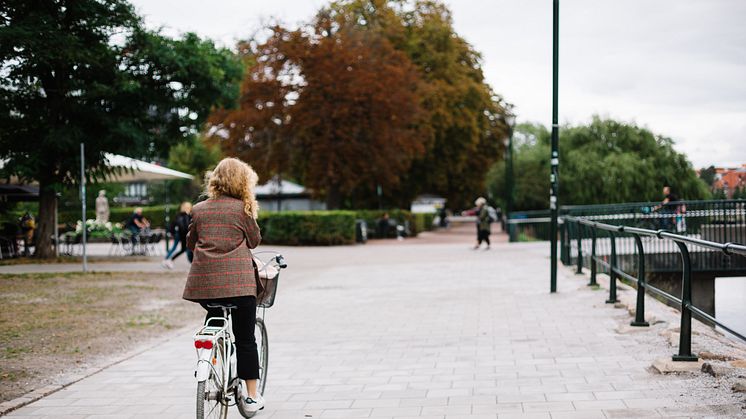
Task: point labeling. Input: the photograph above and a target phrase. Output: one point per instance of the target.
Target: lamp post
(509, 175)
(554, 176)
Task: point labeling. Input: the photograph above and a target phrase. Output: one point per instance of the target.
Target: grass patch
(72, 259)
(55, 322)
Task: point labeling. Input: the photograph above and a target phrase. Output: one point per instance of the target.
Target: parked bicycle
(218, 386)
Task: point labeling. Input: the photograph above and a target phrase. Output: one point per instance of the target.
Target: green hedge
(295, 228)
(423, 222)
(287, 227)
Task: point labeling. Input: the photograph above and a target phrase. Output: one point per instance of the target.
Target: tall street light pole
(554, 177)
(509, 175)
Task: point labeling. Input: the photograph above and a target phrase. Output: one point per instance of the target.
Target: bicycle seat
(219, 305)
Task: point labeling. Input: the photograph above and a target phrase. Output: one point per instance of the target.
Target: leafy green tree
(719, 194)
(603, 162)
(195, 157)
(708, 175)
(87, 71)
(531, 151)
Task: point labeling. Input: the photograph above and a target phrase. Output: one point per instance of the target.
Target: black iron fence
(719, 221)
(686, 245)
(715, 221)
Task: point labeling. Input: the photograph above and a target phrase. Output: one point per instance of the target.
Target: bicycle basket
(266, 297)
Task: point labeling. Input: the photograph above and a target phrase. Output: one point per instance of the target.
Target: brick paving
(422, 329)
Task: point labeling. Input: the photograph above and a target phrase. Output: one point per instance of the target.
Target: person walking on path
(179, 230)
(483, 223)
(673, 220)
(221, 234)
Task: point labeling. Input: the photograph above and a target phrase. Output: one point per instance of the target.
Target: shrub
(423, 222)
(294, 228)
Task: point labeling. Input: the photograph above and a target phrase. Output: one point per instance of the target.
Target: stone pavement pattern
(421, 331)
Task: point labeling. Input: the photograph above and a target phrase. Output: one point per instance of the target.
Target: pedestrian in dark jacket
(222, 233)
(178, 230)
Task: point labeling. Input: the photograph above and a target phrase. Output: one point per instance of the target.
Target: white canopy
(284, 187)
(137, 170)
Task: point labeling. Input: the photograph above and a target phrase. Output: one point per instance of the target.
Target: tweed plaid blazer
(221, 235)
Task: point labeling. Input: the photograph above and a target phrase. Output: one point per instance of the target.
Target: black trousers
(483, 235)
(244, 321)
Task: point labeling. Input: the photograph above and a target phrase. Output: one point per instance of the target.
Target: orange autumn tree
(328, 104)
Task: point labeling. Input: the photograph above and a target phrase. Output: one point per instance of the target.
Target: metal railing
(682, 242)
(716, 221)
(528, 225)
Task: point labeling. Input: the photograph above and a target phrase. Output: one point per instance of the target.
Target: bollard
(612, 275)
(593, 257)
(580, 250)
(685, 330)
(640, 307)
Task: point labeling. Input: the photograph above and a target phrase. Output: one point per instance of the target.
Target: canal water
(730, 302)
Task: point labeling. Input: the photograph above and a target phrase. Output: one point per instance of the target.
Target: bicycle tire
(215, 407)
(207, 409)
(262, 346)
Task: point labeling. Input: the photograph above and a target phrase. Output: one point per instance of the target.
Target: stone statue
(102, 207)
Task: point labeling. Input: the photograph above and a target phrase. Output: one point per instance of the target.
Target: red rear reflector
(203, 344)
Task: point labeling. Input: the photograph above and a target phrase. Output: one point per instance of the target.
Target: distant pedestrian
(384, 223)
(443, 217)
(179, 229)
(673, 210)
(483, 223)
(28, 225)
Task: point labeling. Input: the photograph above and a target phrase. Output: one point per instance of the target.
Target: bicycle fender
(202, 372)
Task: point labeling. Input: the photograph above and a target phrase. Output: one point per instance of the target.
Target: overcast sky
(677, 67)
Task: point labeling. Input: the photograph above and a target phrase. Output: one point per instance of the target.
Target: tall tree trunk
(45, 225)
(333, 197)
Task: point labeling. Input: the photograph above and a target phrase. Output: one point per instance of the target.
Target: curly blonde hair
(236, 179)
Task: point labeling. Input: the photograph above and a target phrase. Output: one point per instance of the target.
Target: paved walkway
(421, 330)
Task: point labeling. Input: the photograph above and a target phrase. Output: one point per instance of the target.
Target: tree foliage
(87, 71)
(328, 103)
(465, 126)
(369, 93)
(603, 162)
(708, 175)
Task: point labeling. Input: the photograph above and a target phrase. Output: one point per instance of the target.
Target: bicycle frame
(208, 358)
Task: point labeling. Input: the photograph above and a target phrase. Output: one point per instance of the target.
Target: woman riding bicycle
(222, 232)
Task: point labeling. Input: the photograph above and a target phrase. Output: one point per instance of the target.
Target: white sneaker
(170, 264)
(253, 406)
(164, 263)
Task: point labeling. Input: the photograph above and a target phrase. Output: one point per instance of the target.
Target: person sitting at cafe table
(136, 224)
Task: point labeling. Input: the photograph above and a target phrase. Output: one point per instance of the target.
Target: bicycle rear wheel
(262, 346)
(212, 402)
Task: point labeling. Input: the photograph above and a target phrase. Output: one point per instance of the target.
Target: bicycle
(218, 387)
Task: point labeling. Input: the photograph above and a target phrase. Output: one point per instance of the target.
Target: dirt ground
(52, 325)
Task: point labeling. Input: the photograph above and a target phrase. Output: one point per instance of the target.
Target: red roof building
(730, 179)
